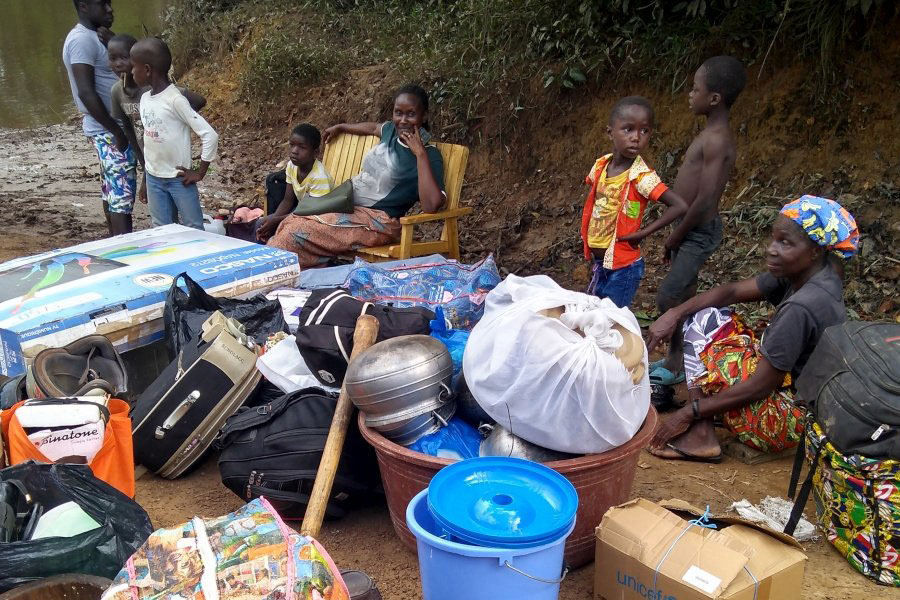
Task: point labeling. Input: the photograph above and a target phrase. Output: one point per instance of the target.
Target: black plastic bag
(186, 311)
(102, 551)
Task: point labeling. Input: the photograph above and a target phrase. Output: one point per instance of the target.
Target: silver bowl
(500, 442)
(400, 378)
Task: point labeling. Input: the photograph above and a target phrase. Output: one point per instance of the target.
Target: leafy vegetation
(469, 50)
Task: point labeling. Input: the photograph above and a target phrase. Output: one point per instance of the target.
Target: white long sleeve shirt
(168, 121)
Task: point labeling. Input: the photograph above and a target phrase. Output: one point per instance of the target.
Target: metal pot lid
(387, 357)
(502, 502)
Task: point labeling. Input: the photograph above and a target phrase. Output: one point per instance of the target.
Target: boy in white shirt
(168, 121)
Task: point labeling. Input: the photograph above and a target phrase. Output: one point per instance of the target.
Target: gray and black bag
(851, 383)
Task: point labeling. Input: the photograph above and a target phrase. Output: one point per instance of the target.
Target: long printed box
(117, 287)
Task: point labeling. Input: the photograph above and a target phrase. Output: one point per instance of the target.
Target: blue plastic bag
(457, 441)
(454, 339)
(457, 288)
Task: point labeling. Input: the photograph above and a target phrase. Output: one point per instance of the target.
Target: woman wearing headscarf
(729, 372)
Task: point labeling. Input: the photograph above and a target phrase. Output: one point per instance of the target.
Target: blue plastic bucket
(451, 570)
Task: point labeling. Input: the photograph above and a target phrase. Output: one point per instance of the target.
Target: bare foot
(699, 442)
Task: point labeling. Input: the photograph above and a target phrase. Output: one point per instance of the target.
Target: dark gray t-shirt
(801, 317)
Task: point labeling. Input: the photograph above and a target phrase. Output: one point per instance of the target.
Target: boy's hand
(121, 140)
(414, 142)
(189, 176)
(634, 238)
(142, 192)
(104, 34)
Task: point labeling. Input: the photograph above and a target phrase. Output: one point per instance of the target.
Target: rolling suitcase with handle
(179, 416)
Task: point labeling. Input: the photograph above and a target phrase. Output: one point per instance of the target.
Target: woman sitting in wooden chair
(404, 168)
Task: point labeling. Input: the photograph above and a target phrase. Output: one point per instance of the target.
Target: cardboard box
(117, 287)
(648, 551)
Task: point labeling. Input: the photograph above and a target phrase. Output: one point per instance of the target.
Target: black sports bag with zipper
(274, 450)
(852, 385)
(327, 320)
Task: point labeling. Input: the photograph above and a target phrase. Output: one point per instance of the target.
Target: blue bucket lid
(503, 502)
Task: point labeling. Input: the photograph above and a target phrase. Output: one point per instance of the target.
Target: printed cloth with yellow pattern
(858, 506)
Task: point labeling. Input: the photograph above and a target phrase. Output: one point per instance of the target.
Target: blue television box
(117, 287)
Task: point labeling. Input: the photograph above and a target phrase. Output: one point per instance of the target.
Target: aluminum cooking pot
(409, 431)
(400, 378)
(501, 442)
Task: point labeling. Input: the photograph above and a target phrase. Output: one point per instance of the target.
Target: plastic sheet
(454, 339)
(458, 441)
(459, 289)
(102, 551)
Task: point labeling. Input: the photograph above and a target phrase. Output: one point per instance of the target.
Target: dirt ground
(49, 192)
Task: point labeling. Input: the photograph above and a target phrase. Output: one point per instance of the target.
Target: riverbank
(49, 188)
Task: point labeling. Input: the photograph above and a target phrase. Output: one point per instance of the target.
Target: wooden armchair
(343, 159)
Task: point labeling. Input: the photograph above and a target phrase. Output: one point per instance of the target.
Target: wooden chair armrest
(438, 216)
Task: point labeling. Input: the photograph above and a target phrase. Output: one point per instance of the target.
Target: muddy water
(34, 90)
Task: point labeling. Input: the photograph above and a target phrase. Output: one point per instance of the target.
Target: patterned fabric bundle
(772, 424)
(858, 507)
(246, 555)
(826, 223)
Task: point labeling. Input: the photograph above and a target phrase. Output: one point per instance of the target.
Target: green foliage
(286, 59)
(468, 51)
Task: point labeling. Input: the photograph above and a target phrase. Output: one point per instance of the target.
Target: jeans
(619, 285)
(169, 202)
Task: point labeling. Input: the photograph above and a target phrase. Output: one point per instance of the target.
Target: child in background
(125, 99)
(621, 186)
(168, 120)
(701, 180)
(305, 175)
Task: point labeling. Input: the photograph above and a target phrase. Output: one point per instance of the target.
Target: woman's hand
(414, 142)
(662, 329)
(331, 132)
(677, 423)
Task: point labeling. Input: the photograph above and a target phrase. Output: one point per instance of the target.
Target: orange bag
(114, 463)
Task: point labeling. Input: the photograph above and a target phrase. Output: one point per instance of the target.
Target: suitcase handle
(176, 415)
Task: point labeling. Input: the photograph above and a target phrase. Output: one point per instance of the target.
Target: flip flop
(656, 364)
(663, 376)
(688, 457)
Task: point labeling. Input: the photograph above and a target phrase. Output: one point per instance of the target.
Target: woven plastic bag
(555, 382)
(249, 553)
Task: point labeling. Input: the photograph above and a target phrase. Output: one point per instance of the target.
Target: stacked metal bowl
(402, 385)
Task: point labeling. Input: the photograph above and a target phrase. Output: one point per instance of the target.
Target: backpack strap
(253, 417)
(803, 495)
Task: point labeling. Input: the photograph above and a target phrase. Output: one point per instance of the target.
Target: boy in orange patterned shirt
(621, 186)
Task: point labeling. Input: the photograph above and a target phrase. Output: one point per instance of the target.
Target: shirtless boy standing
(701, 181)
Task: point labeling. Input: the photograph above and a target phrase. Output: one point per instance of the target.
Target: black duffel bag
(851, 384)
(274, 451)
(327, 320)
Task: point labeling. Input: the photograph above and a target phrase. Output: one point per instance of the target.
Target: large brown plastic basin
(602, 481)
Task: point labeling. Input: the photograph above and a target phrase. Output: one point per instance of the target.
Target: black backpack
(851, 383)
(327, 320)
(274, 451)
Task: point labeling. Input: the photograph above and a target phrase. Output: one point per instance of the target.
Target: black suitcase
(852, 385)
(274, 451)
(179, 415)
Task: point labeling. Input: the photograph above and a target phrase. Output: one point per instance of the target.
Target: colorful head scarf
(826, 223)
